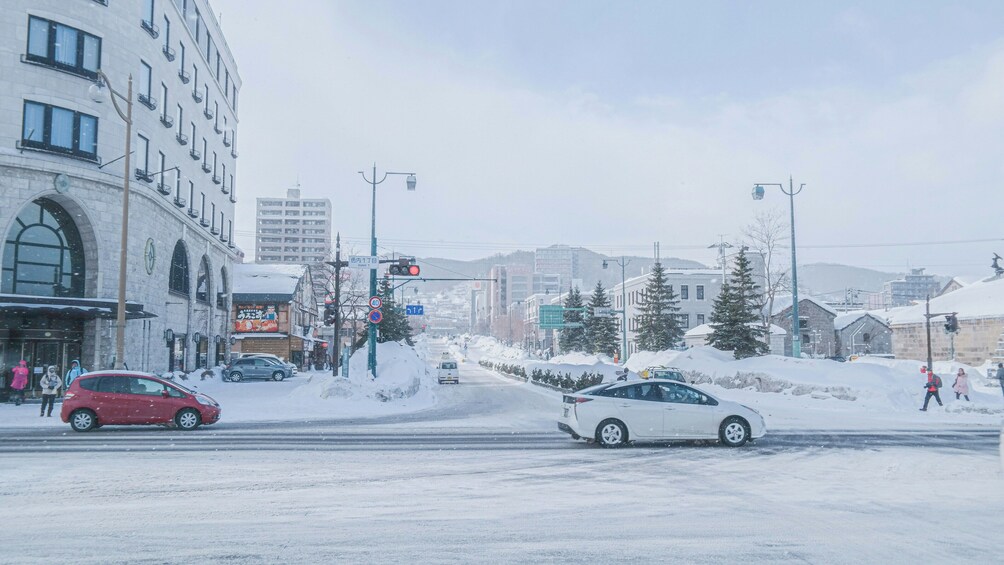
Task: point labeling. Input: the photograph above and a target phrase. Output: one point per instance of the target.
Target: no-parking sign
(376, 316)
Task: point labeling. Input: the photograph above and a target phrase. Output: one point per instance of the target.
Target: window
(52, 128)
(167, 35)
(142, 157)
(700, 319)
(867, 337)
(221, 295)
(202, 286)
(148, 12)
(163, 99)
(43, 254)
(63, 47)
(684, 292)
(212, 217)
(684, 320)
(700, 292)
(178, 281)
(191, 198)
(162, 164)
(145, 84)
(180, 116)
(181, 56)
(803, 323)
(202, 209)
(192, 18)
(205, 156)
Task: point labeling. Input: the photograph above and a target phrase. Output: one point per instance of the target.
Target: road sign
(552, 317)
(414, 310)
(364, 262)
(376, 316)
(602, 312)
(375, 302)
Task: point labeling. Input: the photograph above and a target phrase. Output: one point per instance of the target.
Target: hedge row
(563, 381)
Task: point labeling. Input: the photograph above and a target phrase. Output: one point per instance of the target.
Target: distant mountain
(590, 267)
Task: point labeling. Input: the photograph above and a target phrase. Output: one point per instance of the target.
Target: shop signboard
(257, 318)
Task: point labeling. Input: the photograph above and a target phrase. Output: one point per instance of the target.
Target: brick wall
(975, 342)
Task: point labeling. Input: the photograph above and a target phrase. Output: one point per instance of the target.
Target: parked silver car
(275, 358)
(256, 368)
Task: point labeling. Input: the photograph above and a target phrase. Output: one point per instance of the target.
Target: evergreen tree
(658, 327)
(573, 338)
(601, 331)
(736, 314)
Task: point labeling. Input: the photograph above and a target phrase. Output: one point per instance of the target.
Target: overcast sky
(615, 124)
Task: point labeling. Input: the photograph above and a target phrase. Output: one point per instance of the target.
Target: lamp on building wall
(196, 337)
(99, 91)
(168, 335)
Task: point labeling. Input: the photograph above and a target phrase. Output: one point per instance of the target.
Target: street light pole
(371, 333)
(623, 263)
(796, 334)
(120, 318)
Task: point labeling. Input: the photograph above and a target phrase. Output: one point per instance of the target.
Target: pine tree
(658, 327)
(573, 338)
(601, 331)
(736, 313)
(394, 326)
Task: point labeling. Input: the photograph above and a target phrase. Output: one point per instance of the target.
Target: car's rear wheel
(734, 431)
(278, 376)
(236, 377)
(611, 433)
(83, 421)
(187, 419)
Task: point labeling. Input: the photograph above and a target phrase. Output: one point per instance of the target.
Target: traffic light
(404, 268)
(951, 323)
(329, 311)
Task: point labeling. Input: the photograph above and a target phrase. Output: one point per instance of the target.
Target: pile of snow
(489, 347)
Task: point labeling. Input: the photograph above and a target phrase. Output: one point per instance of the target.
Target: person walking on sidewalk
(961, 384)
(50, 386)
(75, 371)
(20, 381)
(932, 385)
(1000, 375)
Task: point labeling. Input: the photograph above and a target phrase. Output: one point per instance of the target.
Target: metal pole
(120, 319)
(796, 334)
(623, 312)
(371, 335)
(927, 317)
(338, 306)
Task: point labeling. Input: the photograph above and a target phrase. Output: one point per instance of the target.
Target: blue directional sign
(414, 310)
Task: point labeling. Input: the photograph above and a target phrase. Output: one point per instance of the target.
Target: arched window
(202, 283)
(43, 254)
(221, 294)
(178, 281)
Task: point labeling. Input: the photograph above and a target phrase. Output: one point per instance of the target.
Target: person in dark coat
(1000, 375)
(932, 385)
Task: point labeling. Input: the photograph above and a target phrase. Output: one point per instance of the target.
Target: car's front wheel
(734, 431)
(278, 376)
(187, 419)
(611, 433)
(236, 377)
(83, 421)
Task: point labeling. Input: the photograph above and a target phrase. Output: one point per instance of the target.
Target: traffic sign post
(414, 310)
(375, 302)
(376, 316)
(552, 317)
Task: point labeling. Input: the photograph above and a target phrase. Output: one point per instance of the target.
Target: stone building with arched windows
(62, 173)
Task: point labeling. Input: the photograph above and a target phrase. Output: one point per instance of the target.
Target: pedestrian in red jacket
(20, 381)
(932, 385)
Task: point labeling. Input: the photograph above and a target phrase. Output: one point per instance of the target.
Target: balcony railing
(216, 128)
(214, 230)
(206, 168)
(163, 189)
(233, 197)
(216, 179)
(182, 139)
(148, 101)
(233, 153)
(150, 28)
(225, 189)
(226, 141)
(208, 114)
(144, 175)
(168, 121)
(204, 222)
(197, 96)
(193, 212)
(223, 237)
(168, 52)
(180, 202)
(184, 76)
(195, 154)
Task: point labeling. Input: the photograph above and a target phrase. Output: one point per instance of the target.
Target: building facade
(558, 259)
(695, 289)
(62, 177)
(815, 324)
(275, 311)
(911, 288)
(861, 333)
(292, 230)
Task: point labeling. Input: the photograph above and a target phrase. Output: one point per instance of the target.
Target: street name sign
(364, 262)
(602, 312)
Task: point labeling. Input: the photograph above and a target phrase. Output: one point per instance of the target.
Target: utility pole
(928, 315)
(337, 264)
(722, 245)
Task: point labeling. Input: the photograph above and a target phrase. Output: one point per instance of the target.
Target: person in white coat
(50, 383)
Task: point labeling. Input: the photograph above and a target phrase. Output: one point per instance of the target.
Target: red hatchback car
(130, 397)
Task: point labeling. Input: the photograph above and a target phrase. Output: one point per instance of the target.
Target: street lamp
(98, 93)
(623, 263)
(758, 193)
(371, 334)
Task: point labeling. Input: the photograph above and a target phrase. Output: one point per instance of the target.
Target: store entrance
(39, 353)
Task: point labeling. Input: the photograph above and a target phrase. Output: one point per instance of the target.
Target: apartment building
(292, 230)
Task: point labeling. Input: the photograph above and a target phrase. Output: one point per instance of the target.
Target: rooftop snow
(706, 329)
(253, 278)
(984, 299)
(783, 301)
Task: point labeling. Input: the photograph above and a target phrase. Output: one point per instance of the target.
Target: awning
(84, 308)
(272, 335)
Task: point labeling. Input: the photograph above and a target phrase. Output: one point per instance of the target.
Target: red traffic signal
(404, 269)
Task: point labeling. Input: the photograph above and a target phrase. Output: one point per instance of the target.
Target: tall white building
(61, 182)
(292, 229)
